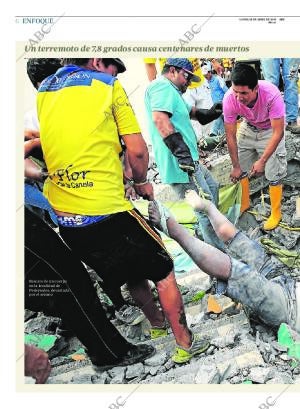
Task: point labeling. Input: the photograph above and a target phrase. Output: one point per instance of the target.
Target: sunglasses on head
(185, 74)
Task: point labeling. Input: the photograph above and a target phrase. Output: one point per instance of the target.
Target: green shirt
(163, 96)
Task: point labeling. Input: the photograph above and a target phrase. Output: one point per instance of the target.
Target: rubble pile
(241, 351)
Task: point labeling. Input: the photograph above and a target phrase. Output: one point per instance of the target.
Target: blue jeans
(34, 197)
(218, 126)
(208, 185)
(271, 72)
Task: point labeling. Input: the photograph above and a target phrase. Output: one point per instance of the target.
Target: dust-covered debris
(240, 350)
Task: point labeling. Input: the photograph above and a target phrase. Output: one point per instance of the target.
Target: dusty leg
(141, 293)
(224, 229)
(211, 260)
(172, 305)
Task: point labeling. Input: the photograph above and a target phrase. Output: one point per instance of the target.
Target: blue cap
(185, 64)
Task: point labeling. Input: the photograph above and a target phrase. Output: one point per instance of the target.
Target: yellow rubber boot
(245, 201)
(275, 217)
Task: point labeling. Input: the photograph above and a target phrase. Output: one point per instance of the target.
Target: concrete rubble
(241, 350)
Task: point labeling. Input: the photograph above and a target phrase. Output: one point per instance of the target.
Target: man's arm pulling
(138, 158)
(233, 151)
(174, 141)
(278, 132)
(205, 116)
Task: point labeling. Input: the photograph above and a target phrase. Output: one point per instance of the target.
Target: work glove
(181, 151)
(205, 116)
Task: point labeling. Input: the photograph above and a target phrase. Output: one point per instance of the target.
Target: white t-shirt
(31, 120)
(200, 97)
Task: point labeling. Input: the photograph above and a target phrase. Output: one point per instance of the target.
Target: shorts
(251, 145)
(271, 300)
(121, 248)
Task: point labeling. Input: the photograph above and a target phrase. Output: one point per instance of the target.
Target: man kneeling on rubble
(274, 302)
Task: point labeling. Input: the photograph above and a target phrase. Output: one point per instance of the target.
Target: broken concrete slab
(224, 341)
(117, 371)
(222, 326)
(220, 304)
(132, 332)
(185, 379)
(228, 362)
(59, 360)
(296, 370)
(279, 347)
(246, 222)
(193, 320)
(210, 349)
(296, 215)
(282, 378)
(42, 324)
(297, 380)
(162, 369)
(118, 379)
(139, 333)
(265, 333)
(295, 221)
(169, 364)
(82, 378)
(285, 357)
(207, 373)
(261, 375)
(71, 366)
(103, 378)
(285, 237)
(157, 360)
(235, 380)
(225, 325)
(195, 279)
(195, 310)
(134, 371)
(28, 314)
(293, 173)
(65, 373)
(246, 357)
(73, 345)
(154, 370)
(213, 306)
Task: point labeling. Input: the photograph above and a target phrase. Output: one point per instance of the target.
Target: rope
(262, 195)
(202, 194)
(223, 137)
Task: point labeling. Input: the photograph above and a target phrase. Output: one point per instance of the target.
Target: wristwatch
(44, 174)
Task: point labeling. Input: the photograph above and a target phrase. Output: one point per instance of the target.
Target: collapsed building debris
(241, 351)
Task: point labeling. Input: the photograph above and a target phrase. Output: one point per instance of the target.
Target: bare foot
(154, 215)
(196, 201)
(158, 215)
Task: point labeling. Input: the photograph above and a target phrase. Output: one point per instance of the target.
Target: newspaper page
(60, 57)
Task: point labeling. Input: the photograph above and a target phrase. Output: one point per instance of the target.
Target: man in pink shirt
(258, 147)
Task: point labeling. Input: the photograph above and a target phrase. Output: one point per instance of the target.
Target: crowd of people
(85, 157)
